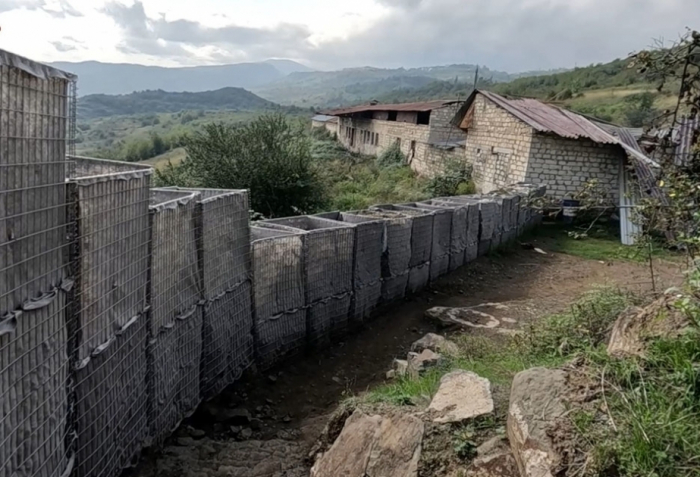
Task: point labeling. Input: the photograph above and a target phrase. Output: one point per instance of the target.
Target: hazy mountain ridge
(351, 85)
(158, 101)
(124, 78)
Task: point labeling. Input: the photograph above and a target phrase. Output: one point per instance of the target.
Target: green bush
(391, 157)
(455, 179)
(269, 156)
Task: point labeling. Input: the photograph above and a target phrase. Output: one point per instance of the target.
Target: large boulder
(435, 343)
(462, 395)
(374, 446)
(537, 401)
(636, 326)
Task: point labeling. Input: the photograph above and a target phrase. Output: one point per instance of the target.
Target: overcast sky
(509, 35)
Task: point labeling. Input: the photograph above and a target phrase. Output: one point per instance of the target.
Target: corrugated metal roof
(687, 129)
(547, 118)
(551, 119)
(322, 118)
(405, 107)
(32, 67)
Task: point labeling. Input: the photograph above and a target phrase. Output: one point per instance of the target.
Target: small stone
(196, 433)
(235, 430)
(391, 374)
(269, 401)
(185, 441)
(259, 409)
(436, 343)
(419, 363)
(287, 419)
(246, 434)
(235, 416)
(400, 367)
(272, 379)
(337, 380)
(256, 424)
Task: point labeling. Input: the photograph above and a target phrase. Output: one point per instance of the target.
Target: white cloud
(512, 35)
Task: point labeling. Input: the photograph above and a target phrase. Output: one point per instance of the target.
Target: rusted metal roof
(404, 107)
(546, 118)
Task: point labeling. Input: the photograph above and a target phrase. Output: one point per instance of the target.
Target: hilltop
(154, 102)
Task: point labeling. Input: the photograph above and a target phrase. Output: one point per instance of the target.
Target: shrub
(392, 156)
(269, 156)
(455, 179)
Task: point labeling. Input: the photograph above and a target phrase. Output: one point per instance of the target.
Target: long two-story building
(423, 131)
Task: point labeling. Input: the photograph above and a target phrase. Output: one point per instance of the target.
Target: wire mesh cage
(367, 273)
(458, 236)
(280, 294)
(109, 323)
(223, 243)
(175, 347)
(34, 362)
(442, 237)
(328, 273)
(421, 244)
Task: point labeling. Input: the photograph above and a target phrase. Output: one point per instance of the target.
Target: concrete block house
(525, 140)
(423, 131)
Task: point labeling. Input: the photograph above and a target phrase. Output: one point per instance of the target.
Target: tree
(269, 156)
(641, 110)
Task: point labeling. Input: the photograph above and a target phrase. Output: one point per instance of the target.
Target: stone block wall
(566, 165)
(374, 136)
(498, 146)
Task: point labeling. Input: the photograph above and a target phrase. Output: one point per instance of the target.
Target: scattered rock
(272, 379)
(337, 380)
(234, 416)
(494, 459)
(235, 430)
(536, 402)
(246, 434)
(461, 317)
(399, 370)
(374, 446)
(186, 441)
(419, 363)
(256, 424)
(436, 343)
(635, 326)
(462, 395)
(196, 433)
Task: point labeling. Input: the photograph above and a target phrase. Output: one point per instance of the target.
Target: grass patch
(548, 343)
(602, 243)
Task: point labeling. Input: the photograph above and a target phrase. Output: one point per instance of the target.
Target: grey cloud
(59, 9)
(9, 5)
(158, 36)
(508, 35)
(400, 3)
(63, 47)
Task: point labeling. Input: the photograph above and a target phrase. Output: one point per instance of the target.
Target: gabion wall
(123, 307)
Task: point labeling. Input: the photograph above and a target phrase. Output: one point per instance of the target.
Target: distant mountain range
(123, 78)
(153, 102)
(338, 88)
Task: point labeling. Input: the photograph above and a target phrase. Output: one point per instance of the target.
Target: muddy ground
(284, 410)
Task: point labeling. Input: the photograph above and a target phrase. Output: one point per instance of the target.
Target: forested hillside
(155, 102)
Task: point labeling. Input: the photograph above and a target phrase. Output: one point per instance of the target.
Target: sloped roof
(32, 67)
(322, 118)
(546, 118)
(405, 107)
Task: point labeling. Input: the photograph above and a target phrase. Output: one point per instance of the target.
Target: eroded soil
(290, 405)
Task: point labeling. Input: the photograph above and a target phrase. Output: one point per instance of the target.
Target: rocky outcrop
(374, 446)
(636, 326)
(537, 401)
(435, 343)
(462, 395)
